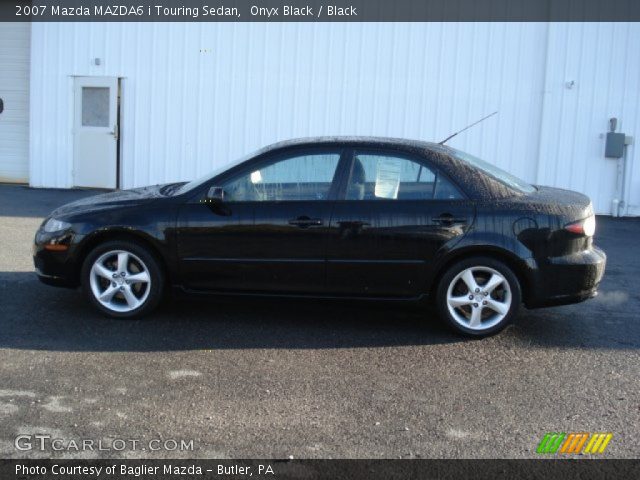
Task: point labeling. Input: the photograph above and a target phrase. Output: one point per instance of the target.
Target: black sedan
(367, 218)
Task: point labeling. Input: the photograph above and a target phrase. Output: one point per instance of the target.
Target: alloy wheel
(478, 298)
(120, 281)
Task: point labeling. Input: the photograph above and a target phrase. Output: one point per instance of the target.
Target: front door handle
(304, 222)
(447, 219)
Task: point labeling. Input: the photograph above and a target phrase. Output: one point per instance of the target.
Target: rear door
(395, 213)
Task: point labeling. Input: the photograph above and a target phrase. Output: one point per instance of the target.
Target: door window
(300, 178)
(95, 106)
(389, 177)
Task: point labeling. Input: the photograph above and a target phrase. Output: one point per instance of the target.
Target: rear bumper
(568, 279)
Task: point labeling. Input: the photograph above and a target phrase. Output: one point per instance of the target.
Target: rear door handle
(304, 222)
(448, 219)
(355, 224)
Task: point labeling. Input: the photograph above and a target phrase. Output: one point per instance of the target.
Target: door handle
(356, 225)
(304, 222)
(447, 219)
(114, 132)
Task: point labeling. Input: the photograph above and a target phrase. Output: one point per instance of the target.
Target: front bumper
(55, 267)
(568, 279)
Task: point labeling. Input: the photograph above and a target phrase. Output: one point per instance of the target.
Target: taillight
(583, 227)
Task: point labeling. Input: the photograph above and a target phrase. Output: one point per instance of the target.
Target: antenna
(466, 128)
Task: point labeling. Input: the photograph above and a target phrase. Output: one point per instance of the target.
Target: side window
(305, 177)
(388, 177)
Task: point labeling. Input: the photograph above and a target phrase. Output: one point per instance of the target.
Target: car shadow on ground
(37, 317)
(45, 318)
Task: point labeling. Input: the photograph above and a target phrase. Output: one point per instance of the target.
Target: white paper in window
(256, 177)
(387, 178)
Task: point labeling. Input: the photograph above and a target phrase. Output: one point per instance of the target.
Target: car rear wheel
(122, 279)
(478, 296)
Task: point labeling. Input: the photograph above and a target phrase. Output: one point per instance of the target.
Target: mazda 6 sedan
(356, 218)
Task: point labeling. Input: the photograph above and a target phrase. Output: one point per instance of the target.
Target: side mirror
(215, 194)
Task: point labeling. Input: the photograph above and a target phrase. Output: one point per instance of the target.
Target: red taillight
(583, 227)
(575, 228)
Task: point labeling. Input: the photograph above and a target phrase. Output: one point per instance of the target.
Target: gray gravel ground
(310, 379)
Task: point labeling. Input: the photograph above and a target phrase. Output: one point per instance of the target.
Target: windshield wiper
(167, 189)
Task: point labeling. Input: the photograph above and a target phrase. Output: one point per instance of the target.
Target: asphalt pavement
(308, 379)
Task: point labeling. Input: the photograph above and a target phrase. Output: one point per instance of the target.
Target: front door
(95, 132)
(396, 214)
(270, 231)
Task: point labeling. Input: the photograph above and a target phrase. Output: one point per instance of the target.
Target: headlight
(55, 225)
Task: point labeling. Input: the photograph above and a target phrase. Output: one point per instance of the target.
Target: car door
(269, 233)
(395, 213)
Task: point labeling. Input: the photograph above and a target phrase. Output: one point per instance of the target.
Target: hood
(135, 196)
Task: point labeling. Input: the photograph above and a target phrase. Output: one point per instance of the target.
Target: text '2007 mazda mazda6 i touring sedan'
(367, 218)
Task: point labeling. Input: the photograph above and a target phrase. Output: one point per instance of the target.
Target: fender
(159, 235)
(514, 253)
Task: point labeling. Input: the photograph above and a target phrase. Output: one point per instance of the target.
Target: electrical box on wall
(614, 145)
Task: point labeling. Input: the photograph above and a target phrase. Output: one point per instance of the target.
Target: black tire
(493, 323)
(155, 286)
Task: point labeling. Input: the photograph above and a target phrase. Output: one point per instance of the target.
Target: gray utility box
(614, 146)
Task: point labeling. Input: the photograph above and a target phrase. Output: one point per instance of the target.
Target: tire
(132, 295)
(478, 312)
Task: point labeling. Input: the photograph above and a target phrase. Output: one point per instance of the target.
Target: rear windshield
(507, 179)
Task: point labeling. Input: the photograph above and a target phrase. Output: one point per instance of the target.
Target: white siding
(196, 96)
(603, 59)
(14, 91)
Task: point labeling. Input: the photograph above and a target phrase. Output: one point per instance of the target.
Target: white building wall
(198, 95)
(603, 59)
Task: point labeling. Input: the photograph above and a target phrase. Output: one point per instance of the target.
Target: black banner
(321, 11)
(583, 469)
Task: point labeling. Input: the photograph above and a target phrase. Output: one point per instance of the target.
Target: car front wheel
(478, 296)
(122, 279)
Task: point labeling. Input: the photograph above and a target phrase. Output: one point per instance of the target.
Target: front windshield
(506, 178)
(205, 178)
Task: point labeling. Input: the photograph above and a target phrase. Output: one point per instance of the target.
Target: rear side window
(389, 177)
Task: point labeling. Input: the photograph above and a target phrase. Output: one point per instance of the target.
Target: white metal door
(14, 94)
(95, 132)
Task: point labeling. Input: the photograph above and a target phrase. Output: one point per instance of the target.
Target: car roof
(368, 141)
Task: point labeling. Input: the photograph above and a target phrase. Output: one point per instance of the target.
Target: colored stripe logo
(574, 443)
